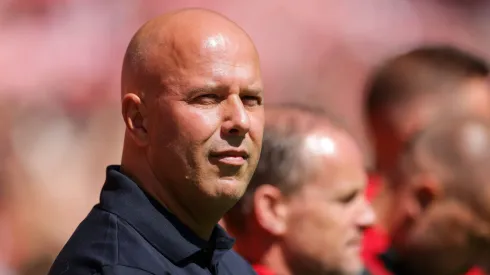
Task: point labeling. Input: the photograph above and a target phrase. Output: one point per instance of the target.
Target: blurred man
(192, 104)
(304, 211)
(404, 96)
(443, 192)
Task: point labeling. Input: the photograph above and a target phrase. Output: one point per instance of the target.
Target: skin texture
(192, 100)
(317, 227)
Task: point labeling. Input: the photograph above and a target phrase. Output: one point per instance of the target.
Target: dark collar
(390, 262)
(123, 197)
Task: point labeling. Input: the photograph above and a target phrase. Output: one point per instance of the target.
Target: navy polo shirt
(128, 232)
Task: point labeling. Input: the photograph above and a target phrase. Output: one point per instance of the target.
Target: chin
(353, 268)
(230, 188)
(352, 264)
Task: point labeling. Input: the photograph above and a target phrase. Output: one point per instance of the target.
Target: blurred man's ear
(270, 209)
(426, 188)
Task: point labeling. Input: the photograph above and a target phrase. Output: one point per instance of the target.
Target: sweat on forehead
(168, 42)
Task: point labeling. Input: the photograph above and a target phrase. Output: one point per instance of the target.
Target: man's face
(206, 130)
(328, 214)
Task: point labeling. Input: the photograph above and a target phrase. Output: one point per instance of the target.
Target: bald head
(165, 46)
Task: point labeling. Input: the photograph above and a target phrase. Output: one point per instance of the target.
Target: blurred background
(60, 64)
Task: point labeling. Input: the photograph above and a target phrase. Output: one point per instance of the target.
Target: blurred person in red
(405, 95)
(304, 211)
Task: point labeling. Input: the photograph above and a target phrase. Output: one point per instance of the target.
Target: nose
(236, 121)
(366, 217)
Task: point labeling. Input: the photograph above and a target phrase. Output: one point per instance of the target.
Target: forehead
(474, 97)
(336, 161)
(217, 58)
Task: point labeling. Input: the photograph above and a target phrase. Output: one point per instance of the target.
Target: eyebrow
(221, 88)
(253, 90)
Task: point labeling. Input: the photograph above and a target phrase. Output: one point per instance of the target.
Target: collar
(389, 260)
(123, 197)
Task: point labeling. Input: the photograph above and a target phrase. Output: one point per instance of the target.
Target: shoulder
(103, 240)
(92, 245)
(236, 264)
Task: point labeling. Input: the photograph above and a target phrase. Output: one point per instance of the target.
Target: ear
(427, 188)
(135, 117)
(270, 209)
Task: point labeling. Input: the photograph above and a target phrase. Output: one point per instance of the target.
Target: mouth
(355, 243)
(230, 157)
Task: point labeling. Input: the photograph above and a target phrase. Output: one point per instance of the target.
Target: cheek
(256, 133)
(318, 227)
(196, 125)
(257, 125)
(180, 130)
(399, 220)
(446, 225)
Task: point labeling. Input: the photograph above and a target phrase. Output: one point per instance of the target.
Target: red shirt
(262, 270)
(375, 240)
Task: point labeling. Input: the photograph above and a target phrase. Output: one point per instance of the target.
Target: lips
(355, 242)
(230, 157)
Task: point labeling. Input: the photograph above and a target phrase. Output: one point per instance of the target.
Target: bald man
(443, 182)
(404, 96)
(192, 104)
(304, 211)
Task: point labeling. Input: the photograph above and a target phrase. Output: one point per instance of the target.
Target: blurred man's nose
(367, 217)
(236, 120)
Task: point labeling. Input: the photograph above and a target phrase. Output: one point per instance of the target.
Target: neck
(137, 168)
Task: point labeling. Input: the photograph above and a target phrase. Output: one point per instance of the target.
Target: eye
(207, 99)
(251, 100)
(349, 197)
